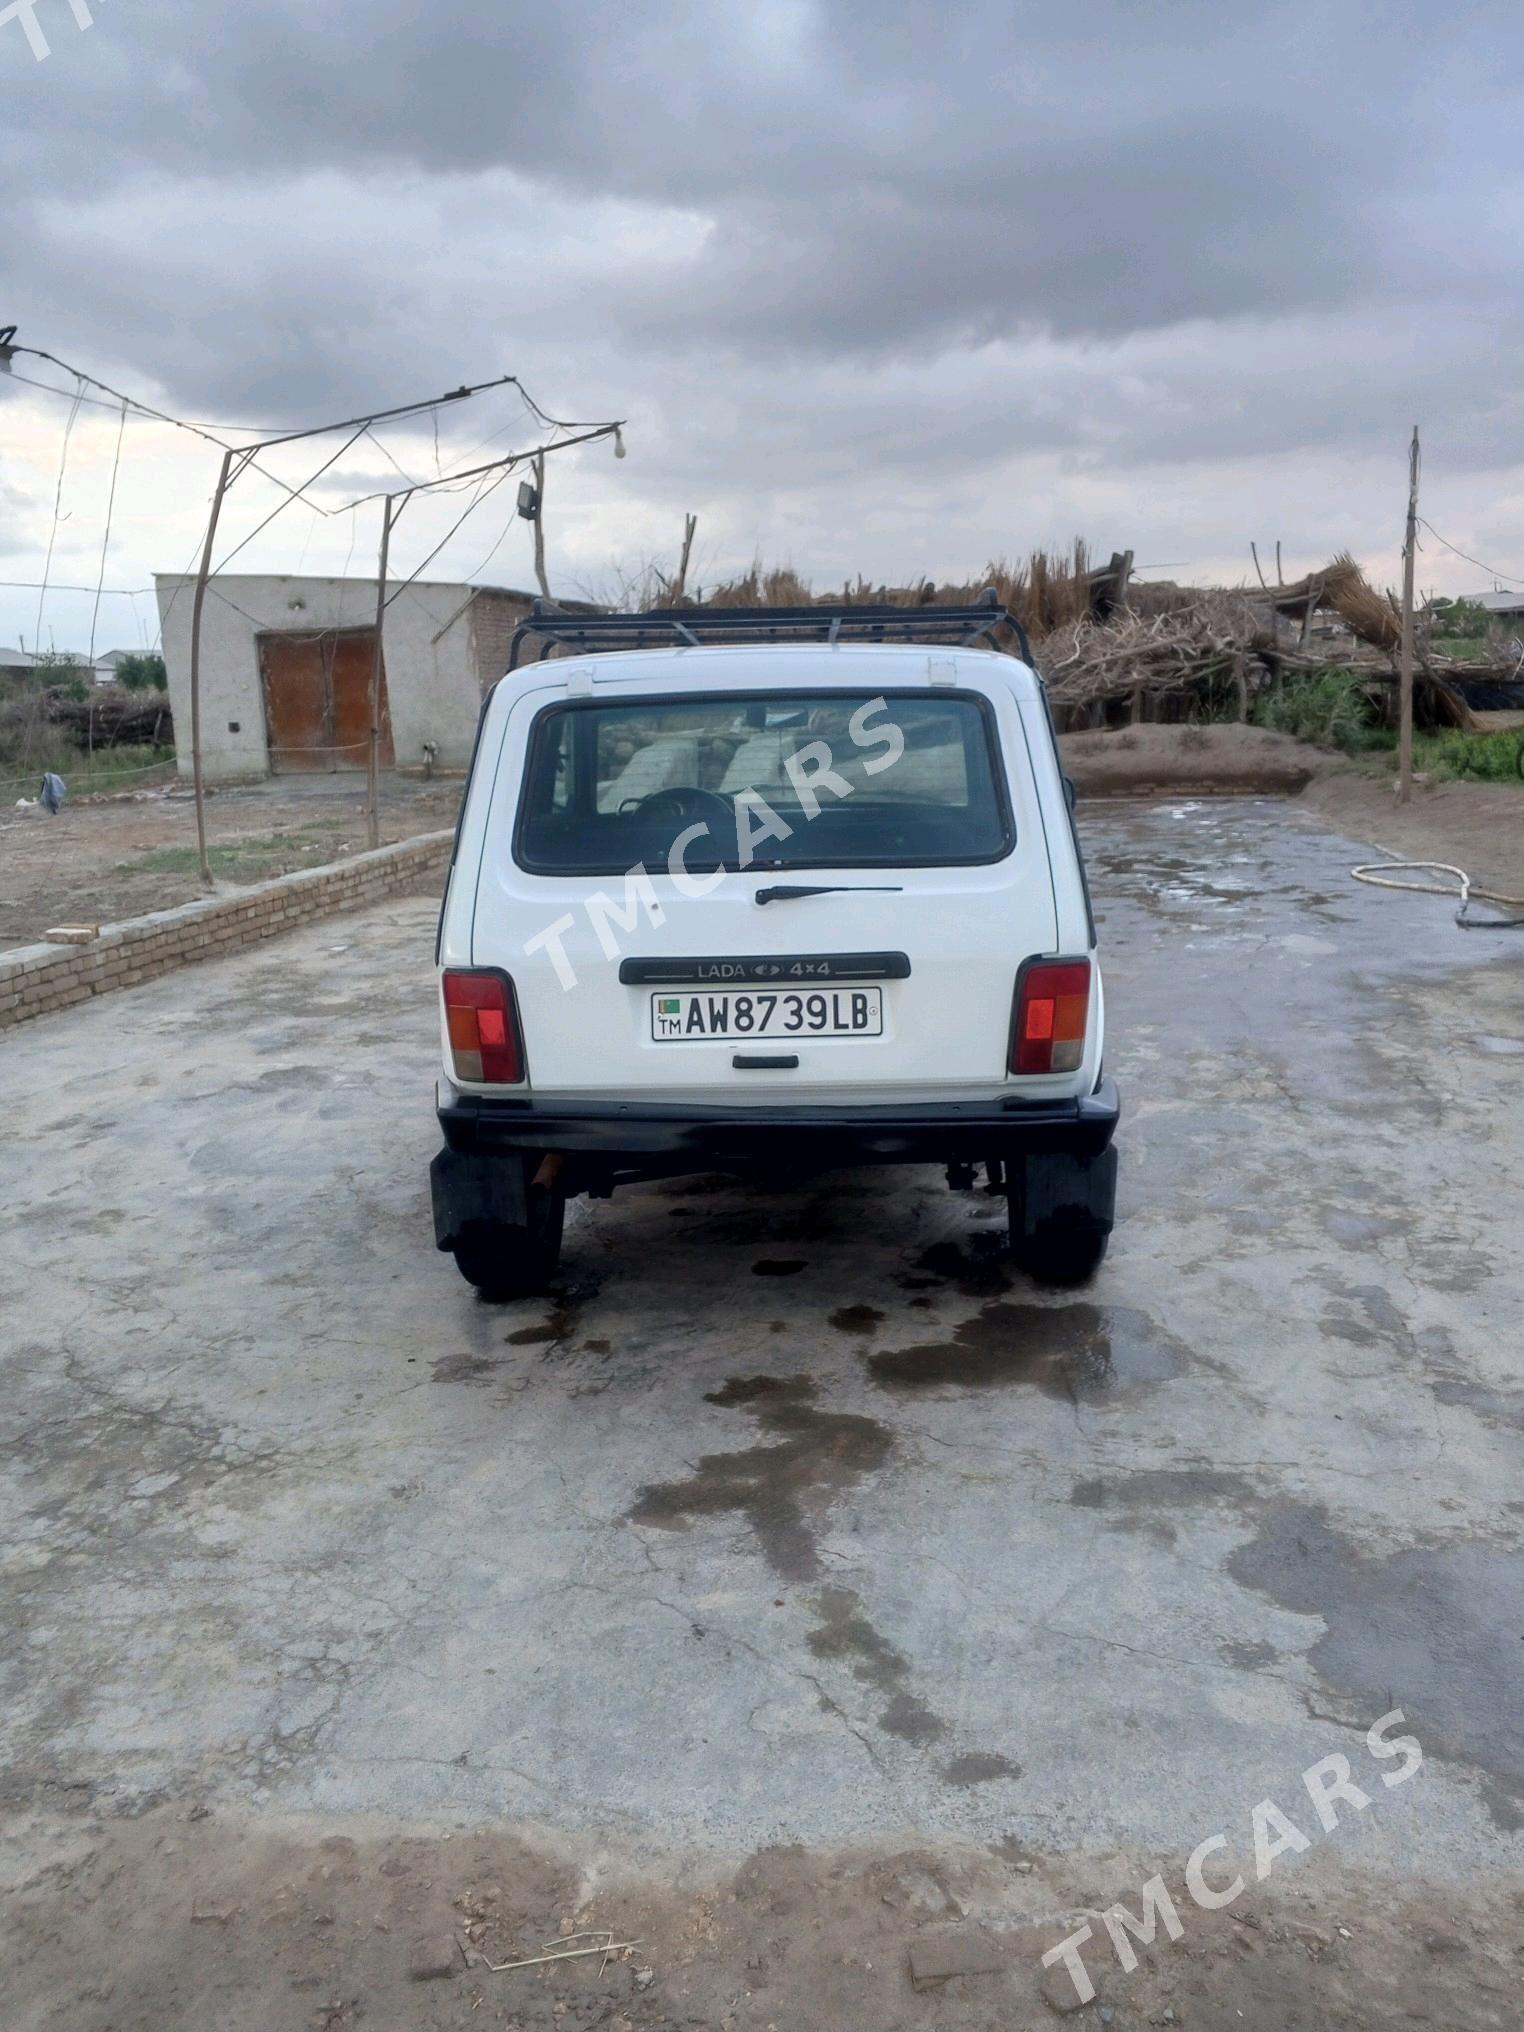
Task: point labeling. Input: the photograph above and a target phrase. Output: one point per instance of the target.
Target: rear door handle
(765, 1061)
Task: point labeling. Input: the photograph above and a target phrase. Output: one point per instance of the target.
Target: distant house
(286, 669)
(106, 665)
(1506, 606)
(61, 664)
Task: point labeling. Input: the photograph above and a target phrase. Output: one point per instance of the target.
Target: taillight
(1052, 1010)
(482, 1018)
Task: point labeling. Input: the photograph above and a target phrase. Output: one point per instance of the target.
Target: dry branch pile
(1196, 644)
(1206, 640)
(110, 716)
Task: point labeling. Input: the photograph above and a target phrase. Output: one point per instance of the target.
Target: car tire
(505, 1260)
(1061, 1211)
(1061, 1254)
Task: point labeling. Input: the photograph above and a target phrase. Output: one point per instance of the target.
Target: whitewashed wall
(431, 676)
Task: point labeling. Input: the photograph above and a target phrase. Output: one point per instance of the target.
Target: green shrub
(1452, 753)
(142, 673)
(1324, 706)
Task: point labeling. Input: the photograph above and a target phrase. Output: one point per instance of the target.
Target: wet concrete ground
(790, 1518)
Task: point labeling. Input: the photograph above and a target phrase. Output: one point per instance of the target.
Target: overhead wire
(281, 506)
(47, 565)
(1491, 570)
(116, 464)
(483, 493)
(58, 586)
(391, 460)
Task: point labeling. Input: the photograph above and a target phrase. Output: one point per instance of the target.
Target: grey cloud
(830, 249)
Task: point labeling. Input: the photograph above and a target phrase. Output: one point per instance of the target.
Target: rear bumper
(674, 1138)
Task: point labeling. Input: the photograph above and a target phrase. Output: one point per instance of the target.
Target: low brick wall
(35, 979)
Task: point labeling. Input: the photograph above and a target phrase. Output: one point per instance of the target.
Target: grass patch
(252, 860)
(109, 769)
(1329, 708)
(1326, 707)
(1449, 755)
(1452, 755)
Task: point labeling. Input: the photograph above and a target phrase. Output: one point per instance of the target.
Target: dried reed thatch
(1166, 639)
(1045, 591)
(1343, 586)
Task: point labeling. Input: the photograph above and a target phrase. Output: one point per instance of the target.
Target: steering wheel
(684, 801)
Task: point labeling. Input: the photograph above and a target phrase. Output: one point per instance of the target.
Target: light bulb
(618, 442)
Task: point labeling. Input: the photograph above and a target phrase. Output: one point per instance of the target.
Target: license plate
(732, 1014)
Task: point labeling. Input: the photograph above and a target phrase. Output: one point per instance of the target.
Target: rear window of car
(776, 780)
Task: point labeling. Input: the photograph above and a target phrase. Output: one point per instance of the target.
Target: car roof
(865, 666)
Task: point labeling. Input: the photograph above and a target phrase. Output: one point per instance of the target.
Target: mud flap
(467, 1187)
(1057, 1191)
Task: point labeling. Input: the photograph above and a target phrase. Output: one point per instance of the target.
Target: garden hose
(1380, 873)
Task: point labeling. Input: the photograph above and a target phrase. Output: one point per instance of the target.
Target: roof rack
(697, 627)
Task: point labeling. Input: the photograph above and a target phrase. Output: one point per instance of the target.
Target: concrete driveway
(795, 1543)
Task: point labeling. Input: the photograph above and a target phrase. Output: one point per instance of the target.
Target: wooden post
(1405, 667)
(539, 527)
(373, 746)
(203, 862)
(1315, 593)
(679, 584)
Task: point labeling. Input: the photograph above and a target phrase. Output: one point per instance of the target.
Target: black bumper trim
(943, 1132)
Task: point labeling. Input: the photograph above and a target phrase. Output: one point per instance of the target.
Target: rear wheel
(1061, 1210)
(506, 1260)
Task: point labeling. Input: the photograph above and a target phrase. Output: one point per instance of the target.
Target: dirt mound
(1475, 826)
(1223, 760)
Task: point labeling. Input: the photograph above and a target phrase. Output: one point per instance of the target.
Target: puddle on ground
(1435, 1631)
(1146, 1502)
(1080, 1352)
(1172, 1488)
(845, 1636)
(856, 1319)
(1251, 1654)
(978, 1270)
(978, 1767)
(467, 1368)
(556, 1328)
(778, 1266)
(777, 1487)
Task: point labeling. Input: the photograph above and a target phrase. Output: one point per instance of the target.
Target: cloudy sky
(885, 288)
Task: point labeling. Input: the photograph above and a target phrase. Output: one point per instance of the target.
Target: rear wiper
(785, 892)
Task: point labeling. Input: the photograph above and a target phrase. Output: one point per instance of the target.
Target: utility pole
(1405, 667)
(539, 526)
(373, 752)
(202, 859)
